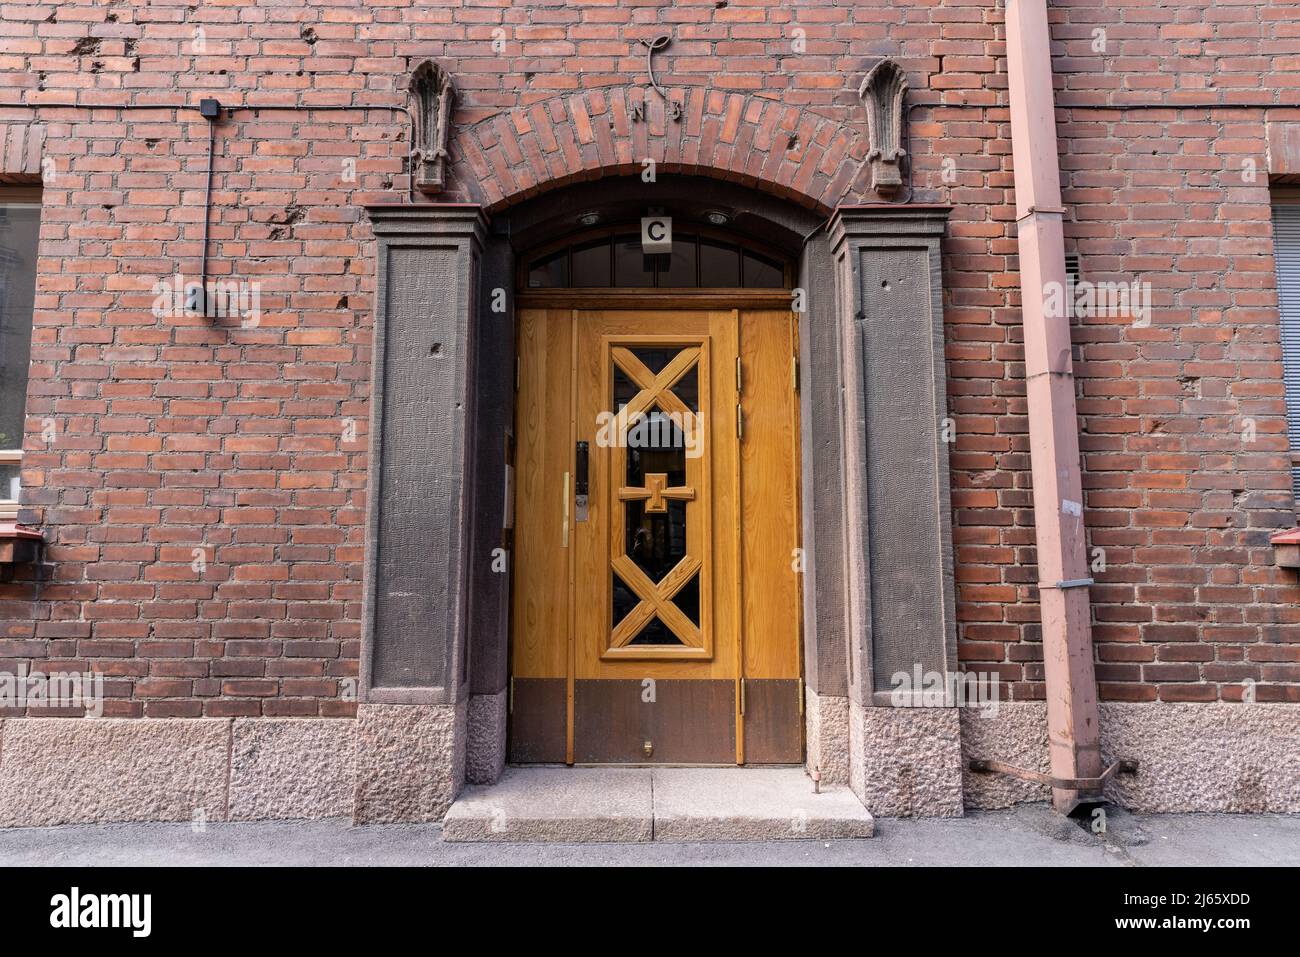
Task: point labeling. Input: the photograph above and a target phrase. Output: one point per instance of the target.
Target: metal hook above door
(673, 107)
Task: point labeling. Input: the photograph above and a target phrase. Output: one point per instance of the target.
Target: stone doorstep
(621, 805)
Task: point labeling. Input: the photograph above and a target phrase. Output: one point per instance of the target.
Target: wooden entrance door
(657, 592)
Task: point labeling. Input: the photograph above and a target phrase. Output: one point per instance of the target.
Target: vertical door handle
(564, 535)
(581, 496)
(581, 458)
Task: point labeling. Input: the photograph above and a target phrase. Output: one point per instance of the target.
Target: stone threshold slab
(632, 805)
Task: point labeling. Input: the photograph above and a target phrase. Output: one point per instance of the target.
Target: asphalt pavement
(1027, 835)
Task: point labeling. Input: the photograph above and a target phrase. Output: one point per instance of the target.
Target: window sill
(1286, 548)
(19, 545)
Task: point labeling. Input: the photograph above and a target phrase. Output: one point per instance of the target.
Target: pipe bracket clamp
(1120, 766)
(1069, 583)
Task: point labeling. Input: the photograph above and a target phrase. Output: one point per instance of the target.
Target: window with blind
(1286, 254)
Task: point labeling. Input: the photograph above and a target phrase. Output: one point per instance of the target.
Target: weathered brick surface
(181, 433)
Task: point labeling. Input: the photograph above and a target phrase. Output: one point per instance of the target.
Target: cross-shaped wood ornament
(656, 492)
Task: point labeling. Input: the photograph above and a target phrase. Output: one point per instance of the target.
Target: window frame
(25, 197)
(612, 232)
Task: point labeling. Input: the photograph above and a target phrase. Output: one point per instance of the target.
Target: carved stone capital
(883, 91)
(434, 96)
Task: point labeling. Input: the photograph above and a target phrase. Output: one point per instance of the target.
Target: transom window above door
(613, 259)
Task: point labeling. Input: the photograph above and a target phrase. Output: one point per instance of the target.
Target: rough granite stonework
(410, 762)
(80, 771)
(1242, 758)
(1192, 757)
(284, 768)
(1017, 734)
(485, 750)
(828, 736)
(906, 762)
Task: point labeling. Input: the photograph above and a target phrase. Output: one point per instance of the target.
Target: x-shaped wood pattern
(656, 598)
(654, 387)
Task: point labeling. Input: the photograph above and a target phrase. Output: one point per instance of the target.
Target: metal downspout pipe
(1063, 572)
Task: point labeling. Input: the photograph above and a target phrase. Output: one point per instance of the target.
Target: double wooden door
(657, 567)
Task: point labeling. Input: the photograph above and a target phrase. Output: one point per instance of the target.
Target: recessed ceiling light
(717, 217)
(589, 219)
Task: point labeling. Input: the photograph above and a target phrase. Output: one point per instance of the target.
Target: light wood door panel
(607, 344)
(770, 496)
(729, 513)
(543, 446)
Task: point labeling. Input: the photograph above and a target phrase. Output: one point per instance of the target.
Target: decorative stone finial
(434, 97)
(882, 93)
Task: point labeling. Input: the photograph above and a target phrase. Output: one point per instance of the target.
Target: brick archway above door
(792, 152)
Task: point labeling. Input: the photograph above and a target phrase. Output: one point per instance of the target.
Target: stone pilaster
(412, 721)
(898, 550)
(420, 494)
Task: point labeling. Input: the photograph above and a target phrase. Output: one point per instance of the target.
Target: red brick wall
(1183, 437)
(181, 433)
